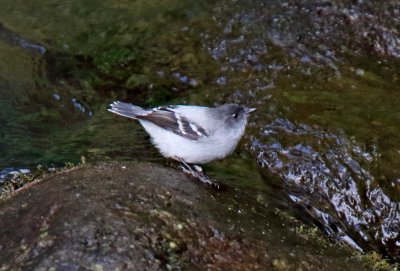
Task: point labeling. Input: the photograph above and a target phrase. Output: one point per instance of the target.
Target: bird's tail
(127, 110)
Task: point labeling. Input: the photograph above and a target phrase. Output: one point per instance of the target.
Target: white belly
(200, 151)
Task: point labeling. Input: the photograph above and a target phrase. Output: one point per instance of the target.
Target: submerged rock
(142, 216)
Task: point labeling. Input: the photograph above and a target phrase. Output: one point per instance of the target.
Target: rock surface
(143, 216)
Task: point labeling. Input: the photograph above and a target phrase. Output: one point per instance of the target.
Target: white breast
(216, 146)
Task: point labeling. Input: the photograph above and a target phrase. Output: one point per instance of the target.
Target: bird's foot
(198, 173)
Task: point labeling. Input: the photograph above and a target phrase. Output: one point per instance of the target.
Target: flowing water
(324, 76)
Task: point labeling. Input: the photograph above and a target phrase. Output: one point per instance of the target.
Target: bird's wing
(168, 119)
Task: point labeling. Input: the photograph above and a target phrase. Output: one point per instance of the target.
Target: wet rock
(12, 38)
(305, 168)
(142, 216)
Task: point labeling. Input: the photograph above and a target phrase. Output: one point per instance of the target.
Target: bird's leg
(197, 172)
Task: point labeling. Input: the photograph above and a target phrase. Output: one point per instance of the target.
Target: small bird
(190, 134)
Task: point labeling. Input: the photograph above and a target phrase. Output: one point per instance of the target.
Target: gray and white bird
(190, 134)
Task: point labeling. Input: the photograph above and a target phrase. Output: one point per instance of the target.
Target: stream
(324, 76)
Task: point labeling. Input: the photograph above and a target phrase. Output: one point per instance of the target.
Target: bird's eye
(235, 115)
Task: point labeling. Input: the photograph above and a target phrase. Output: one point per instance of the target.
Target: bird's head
(234, 114)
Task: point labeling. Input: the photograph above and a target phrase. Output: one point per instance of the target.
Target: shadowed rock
(142, 216)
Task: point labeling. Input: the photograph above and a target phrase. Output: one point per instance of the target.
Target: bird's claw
(198, 173)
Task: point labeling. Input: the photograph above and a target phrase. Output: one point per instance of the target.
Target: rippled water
(324, 76)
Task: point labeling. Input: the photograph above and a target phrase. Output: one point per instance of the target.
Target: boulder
(144, 216)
